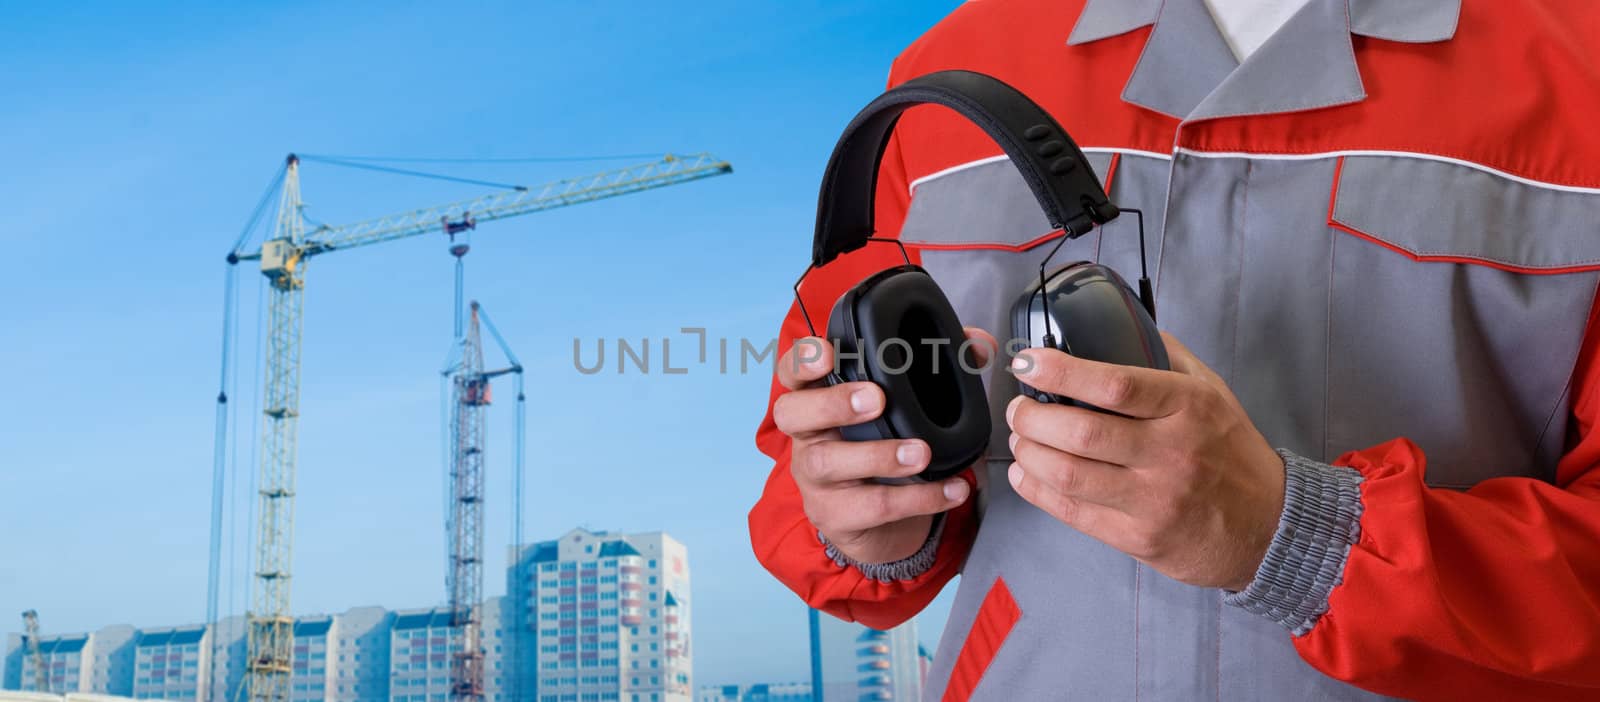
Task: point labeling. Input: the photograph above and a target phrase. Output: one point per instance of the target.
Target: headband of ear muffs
(1050, 161)
(896, 328)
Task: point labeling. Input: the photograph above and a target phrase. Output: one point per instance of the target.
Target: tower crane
(283, 258)
(470, 395)
(30, 624)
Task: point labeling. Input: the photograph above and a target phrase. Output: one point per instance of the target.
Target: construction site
(267, 653)
(298, 297)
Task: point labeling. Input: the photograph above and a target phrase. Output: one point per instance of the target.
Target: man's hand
(865, 520)
(1183, 482)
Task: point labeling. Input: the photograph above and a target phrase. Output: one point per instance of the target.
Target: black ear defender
(1098, 316)
(898, 330)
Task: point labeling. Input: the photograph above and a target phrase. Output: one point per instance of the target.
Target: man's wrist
(1321, 520)
(904, 569)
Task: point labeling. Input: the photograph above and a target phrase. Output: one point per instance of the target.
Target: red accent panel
(1111, 171)
(1023, 42)
(996, 616)
(1584, 456)
(1333, 197)
(1539, 124)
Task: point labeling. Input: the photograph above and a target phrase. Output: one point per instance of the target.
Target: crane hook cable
(261, 207)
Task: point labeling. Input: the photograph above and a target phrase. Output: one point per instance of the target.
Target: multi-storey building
(610, 617)
(311, 678)
(360, 660)
(421, 651)
(758, 692)
(605, 618)
(66, 665)
(420, 648)
(852, 663)
(171, 664)
(20, 696)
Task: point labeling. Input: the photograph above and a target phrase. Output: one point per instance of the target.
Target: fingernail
(1013, 442)
(1012, 408)
(1021, 364)
(1014, 474)
(911, 453)
(863, 401)
(956, 490)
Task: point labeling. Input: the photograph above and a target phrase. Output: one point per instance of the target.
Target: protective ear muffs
(896, 328)
(1089, 311)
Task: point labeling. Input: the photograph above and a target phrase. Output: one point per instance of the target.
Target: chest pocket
(980, 233)
(1458, 302)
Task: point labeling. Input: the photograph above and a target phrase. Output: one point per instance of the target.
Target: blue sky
(137, 139)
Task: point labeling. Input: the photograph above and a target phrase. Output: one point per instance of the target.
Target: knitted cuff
(904, 569)
(1321, 520)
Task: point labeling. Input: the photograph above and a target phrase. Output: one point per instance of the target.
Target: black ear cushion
(849, 364)
(908, 340)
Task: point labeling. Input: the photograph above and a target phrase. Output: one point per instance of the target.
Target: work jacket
(1382, 229)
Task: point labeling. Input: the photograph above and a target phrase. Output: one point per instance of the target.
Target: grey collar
(1188, 72)
(1417, 21)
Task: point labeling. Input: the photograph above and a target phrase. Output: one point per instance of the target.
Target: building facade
(311, 677)
(609, 615)
(171, 664)
(602, 617)
(852, 663)
(66, 662)
(758, 692)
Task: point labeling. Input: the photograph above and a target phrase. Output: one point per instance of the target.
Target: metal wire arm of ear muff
(809, 268)
(1146, 293)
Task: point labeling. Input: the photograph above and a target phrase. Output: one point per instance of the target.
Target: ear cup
(1093, 314)
(898, 330)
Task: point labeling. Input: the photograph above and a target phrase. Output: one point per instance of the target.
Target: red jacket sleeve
(1491, 593)
(784, 540)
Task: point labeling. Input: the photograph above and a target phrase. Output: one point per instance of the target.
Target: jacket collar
(1188, 72)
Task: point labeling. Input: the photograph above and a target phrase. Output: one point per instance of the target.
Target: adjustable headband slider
(821, 254)
(1093, 213)
(1101, 212)
(1077, 226)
